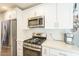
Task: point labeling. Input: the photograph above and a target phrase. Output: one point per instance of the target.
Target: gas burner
(35, 40)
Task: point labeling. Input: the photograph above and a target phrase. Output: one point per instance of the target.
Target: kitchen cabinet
(46, 51)
(61, 52)
(40, 10)
(25, 15)
(47, 10)
(55, 52)
(57, 15)
(65, 15)
(11, 14)
(50, 16)
(19, 48)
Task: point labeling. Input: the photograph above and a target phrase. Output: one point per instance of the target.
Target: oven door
(30, 52)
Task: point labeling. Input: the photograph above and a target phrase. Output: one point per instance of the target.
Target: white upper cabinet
(49, 11)
(65, 15)
(25, 19)
(57, 16)
(10, 14)
(50, 16)
(40, 10)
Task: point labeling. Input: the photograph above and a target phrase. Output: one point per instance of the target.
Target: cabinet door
(45, 51)
(65, 15)
(53, 52)
(57, 52)
(39, 10)
(19, 48)
(47, 10)
(25, 19)
(50, 16)
(10, 15)
(28, 13)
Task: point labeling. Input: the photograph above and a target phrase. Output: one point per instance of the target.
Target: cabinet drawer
(55, 52)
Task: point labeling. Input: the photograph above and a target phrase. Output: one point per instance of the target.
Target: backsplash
(56, 34)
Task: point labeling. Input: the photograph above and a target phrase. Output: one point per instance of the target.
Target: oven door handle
(35, 49)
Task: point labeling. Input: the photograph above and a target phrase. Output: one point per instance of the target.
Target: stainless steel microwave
(36, 22)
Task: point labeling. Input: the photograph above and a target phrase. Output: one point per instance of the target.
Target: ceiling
(7, 6)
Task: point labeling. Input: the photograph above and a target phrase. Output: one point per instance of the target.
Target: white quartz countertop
(60, 45)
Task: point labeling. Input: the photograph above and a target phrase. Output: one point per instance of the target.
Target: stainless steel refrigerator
(9, 37)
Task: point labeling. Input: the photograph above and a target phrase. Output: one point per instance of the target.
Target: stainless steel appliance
(32, 46)
(38, 21)
(68, 38)
(9, 37)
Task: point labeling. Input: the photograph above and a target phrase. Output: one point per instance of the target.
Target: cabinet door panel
(45, 51)
(54, 52)
(65, 15)
(19, 48)
(50, 16)
(57, 52)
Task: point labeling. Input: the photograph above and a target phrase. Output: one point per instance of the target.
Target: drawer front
(56, 52)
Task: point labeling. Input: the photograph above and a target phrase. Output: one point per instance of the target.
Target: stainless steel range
(33, 46)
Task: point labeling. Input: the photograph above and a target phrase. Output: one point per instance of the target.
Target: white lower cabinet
(19, 48)
(45, 51)
(54, 52)
(57, 52)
